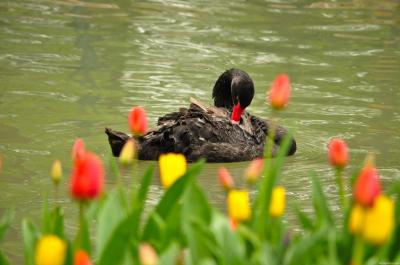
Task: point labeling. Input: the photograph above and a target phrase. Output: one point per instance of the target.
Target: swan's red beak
(237, 112)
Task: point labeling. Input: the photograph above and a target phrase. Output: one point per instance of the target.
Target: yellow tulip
(277, 205)
(379, 221)
(172, 167)
(56, 172)
(239, 205)
(127, 153)
(357, 216)
(50, 250)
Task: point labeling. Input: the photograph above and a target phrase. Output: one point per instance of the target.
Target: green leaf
(110, 216)
(172, 229)
(231, 245)
(264, 256)
(30, 236)
(156, 232)
(170, 255)
(116, 247)
(272, 170)
(321, 207)
(3, 259)
(58, 222)
(195, 196)
(46, 217)
(82, 239)
(141, 197)
(173, 194)
(168, 201)
(201, 242)
(305, 251)
(305, 221)
(5, 222)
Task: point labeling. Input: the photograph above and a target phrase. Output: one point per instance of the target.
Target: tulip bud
(81, 258)
(356, 220)
(147, 255)
(277, 205)
(172, 167)
(379, 221)
(87, 178)
(239, 205)
(50, 250)
(367, 186)
(254, 170)
(225, 178)
(78, 149)
(337, 153)
(137, 121)
(128, 153)
(56, 172)
(233, 224)
(279, 93)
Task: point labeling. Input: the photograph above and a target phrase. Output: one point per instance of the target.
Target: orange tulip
(78, 149)
(225, 178)
(87, 177)
(137, 121)
(254, 170)
(233, 224)
(147, 255)
(279, 93)
(81, 258)
(337, 153)
(367, 186)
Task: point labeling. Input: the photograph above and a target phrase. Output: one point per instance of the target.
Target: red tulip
(337, 153)
(78, 149)
(279, 93)
(367, 186)
(81, 258)
(225, 178)
(87, 177)
(137, 121)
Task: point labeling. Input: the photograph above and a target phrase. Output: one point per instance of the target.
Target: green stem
(56, 196)
(358, 251)
(134, 181)
(81, 215)
(340, 182)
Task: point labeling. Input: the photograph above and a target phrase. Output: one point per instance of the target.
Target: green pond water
(70, 68)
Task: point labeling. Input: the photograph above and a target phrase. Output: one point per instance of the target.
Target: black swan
(224, 133)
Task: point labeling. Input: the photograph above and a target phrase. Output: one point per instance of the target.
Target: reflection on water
(70, 68)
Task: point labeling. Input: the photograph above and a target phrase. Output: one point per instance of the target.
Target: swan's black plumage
(208, 132)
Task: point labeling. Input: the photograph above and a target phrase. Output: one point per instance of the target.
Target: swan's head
(242, 91)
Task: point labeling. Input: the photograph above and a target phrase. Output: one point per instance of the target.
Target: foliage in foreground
(184, 228)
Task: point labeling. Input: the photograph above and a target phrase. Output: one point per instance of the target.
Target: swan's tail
(117, 140)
